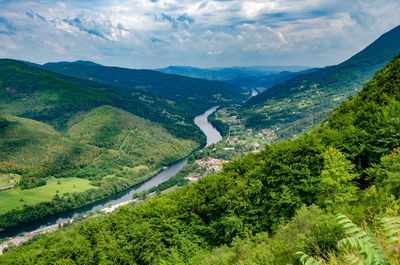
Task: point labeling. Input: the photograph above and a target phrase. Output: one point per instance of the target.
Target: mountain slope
(115, 129)
(28, 145)
(31, 92)
(199, 94)
(334, 167)
(35, 150)
(111, 148)
(298, 104)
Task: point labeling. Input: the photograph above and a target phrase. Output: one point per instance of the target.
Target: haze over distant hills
(228, 73)
(251, 77)
(298, 104)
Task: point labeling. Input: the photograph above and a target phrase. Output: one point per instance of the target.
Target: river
(201, 121)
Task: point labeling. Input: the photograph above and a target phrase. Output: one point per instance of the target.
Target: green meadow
(5, 179)
(16, 198)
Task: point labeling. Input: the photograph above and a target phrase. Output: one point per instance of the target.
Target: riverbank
(111, 203)
(18, 240)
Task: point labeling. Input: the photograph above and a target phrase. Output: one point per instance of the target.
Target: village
(237, 143)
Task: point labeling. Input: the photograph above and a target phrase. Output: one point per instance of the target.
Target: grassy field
(5, 179)
(16, 198)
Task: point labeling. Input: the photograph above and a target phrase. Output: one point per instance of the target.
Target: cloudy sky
(202, 33)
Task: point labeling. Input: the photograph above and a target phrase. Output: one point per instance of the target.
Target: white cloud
(144, 33)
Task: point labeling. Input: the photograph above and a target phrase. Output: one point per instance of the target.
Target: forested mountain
(296, 105)
(144, 141)
(193, 93)
(264, 82)
(31, 92)
(57, 126)
(229, 73)
(348, 164)
(250, 77)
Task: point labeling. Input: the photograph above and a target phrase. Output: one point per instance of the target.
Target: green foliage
(360, 241)
(306, 259)
(361, 247)
(391, 232)
(261, 193)
(336, 178)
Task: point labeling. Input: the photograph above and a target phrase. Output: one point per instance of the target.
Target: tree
(336, 179)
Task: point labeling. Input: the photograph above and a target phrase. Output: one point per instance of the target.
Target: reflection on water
(213, 136)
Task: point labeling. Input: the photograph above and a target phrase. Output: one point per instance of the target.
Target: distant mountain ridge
(38, 94)
(229, 73)
(262, 83)
(250, 77)
(367, 62)
(197, 94)
(298, 104)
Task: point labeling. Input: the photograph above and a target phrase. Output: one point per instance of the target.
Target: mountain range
(270, 207)
(250, 77)
(297, 105)
(54, 125)
(193, 94)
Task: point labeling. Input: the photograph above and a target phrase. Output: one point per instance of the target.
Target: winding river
(201, 121)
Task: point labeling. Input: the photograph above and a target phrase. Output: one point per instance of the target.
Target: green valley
(78, 128)
(272, 116)
(31, 92)
(202, 132)
(264, 208)
(106, 148)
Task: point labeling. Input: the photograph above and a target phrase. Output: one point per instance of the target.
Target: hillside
(115, 129)
(298, 104)
(193, 93)
(37, 94)
(29, 146)
(252, 211)
(106, 147)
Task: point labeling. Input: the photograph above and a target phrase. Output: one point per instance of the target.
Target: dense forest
(263, 208)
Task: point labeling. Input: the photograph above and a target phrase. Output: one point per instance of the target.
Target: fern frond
(306, 259)
(360, 241)
(391, 229)
(354, 259)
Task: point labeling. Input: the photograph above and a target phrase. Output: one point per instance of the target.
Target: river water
(201, 121)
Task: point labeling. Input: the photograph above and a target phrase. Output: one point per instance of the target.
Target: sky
(204, 33)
